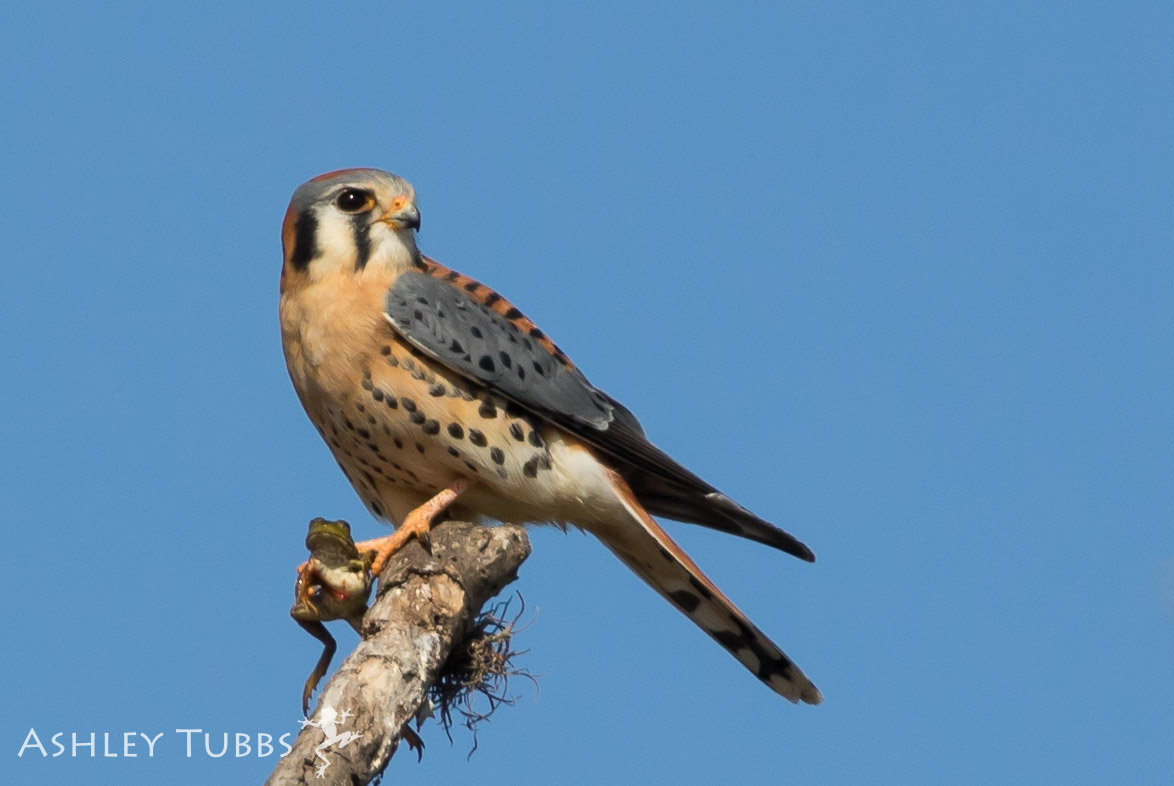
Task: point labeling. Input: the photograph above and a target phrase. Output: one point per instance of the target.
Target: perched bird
(434, 392)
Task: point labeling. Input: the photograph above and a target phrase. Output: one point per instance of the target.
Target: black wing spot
(455, 431)
(505, 359)
(516, 432)
(486, 363)
(497, 454)
(538, 368)
(477, 438)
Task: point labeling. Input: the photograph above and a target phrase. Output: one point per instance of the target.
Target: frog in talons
(334, 584)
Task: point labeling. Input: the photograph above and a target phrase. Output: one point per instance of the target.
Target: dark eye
(354, 200)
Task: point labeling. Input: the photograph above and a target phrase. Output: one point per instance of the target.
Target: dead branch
(426, 606)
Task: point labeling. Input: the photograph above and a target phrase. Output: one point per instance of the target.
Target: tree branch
(426, 605)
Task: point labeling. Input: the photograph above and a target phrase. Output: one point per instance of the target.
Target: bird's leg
(418, 523)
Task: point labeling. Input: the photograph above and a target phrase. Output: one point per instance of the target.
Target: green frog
(334, 584)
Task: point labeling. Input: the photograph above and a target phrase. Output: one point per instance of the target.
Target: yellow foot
(416, 524)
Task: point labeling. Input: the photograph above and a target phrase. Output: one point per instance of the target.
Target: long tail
(654, 557)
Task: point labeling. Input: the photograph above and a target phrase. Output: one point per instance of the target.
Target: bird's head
(350, 220)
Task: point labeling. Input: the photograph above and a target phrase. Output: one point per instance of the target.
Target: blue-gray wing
(470, 337)
(450, 326)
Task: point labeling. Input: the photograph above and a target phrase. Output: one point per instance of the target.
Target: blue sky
(898, 279)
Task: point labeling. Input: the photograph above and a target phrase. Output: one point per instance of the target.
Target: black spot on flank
(373, 447)
(349, 425)
(513, 313)
(535, 438)
(416, 417)
(393, 361)
(385, 350)
(453, 452)
(431, 427)
(686, 600)
(418, 314)
(418, 373)
(530, 468)
(505, 359)
(436, 390)
(538, 368)
(701, 588)
(360, 407)
(521, 373)
(423, 301)
(360, 230)
(486, 363)
(409, 364)
(409, 405)
(471, 466)
(305, 240)
(391, 402)
(455, 431)
(370, 478)
(501, 473)
(371, 419)
(476, 331)
(472, 286)
(543, 461)
(367, 385)
(487, 410)
(477, 438)
(364, 433)
(497, 455)
(399, 443)
(516, 432)
(419, 448)
(377, 394)
(456, 347)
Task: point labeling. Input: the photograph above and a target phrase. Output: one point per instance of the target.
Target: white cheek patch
(336, 248)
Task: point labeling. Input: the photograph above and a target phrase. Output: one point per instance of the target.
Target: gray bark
(424, 607)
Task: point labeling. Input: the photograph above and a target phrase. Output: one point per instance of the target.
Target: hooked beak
(403, 214)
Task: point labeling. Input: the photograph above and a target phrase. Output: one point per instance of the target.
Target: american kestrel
(434, 392)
